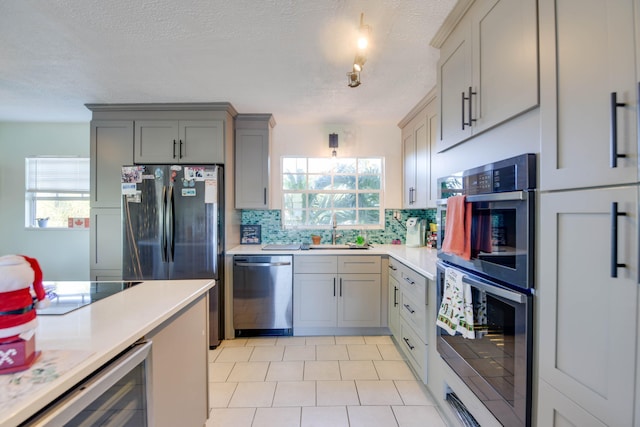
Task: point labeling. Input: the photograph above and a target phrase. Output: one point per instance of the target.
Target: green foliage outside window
(317, 190)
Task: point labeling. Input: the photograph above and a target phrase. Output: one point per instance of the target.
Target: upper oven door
(501, 236)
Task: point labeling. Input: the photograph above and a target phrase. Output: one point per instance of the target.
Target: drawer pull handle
(406, 340)
(614, 239)
(409, 309)
(613, 138)
(392, 267)
(409, 281)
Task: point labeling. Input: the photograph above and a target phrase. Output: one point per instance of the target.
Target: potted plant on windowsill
(42, 222)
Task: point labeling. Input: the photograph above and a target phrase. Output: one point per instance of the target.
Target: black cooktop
(68, 296)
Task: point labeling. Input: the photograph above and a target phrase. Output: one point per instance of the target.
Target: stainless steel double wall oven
(497, 364)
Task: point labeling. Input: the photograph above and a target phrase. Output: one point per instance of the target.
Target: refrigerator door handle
(163, 228)
(170, 226)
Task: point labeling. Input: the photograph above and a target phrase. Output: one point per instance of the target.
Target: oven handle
(495, 290)
(85, 393)
(493, 197)
(490, 289)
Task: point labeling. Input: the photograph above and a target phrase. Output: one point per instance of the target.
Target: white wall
(354, 140)
(62, 254)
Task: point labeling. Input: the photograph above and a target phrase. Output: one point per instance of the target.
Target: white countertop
(423, 259)
(98, 332)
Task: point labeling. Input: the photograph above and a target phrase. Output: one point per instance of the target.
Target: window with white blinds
(57, 189)
(57, 174)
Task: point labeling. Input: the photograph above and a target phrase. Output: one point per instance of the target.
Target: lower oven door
(496, 364)
(116, 395)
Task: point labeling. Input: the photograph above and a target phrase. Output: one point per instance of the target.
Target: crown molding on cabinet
(418, 107)
(179, 106)
(450, 22)
(240, 118)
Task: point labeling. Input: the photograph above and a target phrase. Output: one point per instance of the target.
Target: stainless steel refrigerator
(172, 218)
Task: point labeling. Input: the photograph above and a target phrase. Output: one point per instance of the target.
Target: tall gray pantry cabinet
(122, 134)
(587, 277)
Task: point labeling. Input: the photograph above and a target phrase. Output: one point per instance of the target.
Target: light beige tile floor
(315, 382)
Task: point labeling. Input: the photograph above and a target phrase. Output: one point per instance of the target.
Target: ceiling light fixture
(353, 76)
(333, 143)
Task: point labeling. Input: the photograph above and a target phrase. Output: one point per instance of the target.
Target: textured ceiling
(286, 57)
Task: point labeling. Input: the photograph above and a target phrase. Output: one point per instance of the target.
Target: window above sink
(318, 189)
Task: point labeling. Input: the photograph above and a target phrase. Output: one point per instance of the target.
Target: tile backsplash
(272, 232)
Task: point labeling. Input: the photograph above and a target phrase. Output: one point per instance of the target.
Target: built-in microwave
(501, 197)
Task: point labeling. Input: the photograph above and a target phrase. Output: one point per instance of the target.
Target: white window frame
(64, 178)
(351, 226)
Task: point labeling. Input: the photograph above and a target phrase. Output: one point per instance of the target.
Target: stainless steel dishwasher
(263, 295)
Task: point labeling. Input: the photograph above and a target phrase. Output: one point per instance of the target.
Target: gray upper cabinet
(588, 53)
(488, 68)
(418, 140)
(184, 141)
(111, 147)
(253, 135)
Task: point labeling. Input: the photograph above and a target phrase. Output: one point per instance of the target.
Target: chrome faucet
(334, 226)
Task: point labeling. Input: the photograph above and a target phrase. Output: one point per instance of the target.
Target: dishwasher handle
(260, 264)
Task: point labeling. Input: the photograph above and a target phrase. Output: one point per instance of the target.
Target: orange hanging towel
(457, 230)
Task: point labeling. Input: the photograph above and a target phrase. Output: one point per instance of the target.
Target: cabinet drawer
(413, 283)
(316, 264)
(414, 313)
(395, 269)
(359, 264)
(414, 348)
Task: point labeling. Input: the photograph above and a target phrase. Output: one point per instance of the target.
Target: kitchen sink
(334, 247)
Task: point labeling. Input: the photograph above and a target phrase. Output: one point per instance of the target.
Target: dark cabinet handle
(470, 108)
(406, 340)
(334, 286)
(409, 281)
(174, 148)
(395, 296)
(613, 138)
(614, 239)
(392, 267)
(341, 287)
(180, 149)
(409, 309)
(265, 196)
(462, 113)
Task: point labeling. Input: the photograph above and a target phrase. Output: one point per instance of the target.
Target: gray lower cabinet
(252, 144)
(340, 292)
(408, 313)
(587, 307)
(105, 241)
(179, 368)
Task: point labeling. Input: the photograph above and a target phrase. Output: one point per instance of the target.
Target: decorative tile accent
(272, 231)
